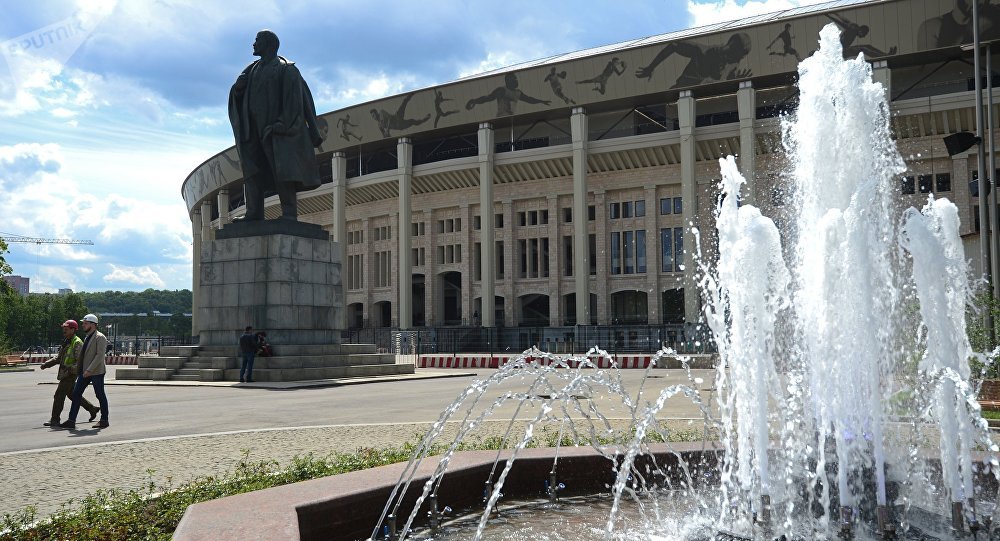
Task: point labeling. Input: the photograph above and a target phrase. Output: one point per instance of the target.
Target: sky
(107, 105)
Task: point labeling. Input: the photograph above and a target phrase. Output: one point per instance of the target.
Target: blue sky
(107, 105)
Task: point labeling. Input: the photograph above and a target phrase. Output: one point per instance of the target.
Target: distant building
(19, 283)
(65, 291)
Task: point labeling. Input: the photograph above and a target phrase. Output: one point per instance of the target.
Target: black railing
(575, 340)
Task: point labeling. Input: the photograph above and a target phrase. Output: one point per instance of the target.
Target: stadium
(558, 192)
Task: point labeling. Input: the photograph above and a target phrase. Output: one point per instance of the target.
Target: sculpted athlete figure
(274, 123)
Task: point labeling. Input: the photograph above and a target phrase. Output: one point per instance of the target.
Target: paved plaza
(177, 433)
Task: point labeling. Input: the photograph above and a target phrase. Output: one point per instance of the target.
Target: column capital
(579, 111)
(746, 84)
(485, 126)
(550, 197)
(404, 141)
(880, 64)
(685, 94)
(338, 154)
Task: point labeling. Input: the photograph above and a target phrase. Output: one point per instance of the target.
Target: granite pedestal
(279, 276)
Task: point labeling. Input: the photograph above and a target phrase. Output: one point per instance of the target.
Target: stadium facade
(559, 191)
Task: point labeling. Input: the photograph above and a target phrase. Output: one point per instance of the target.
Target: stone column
(222, 199)
(881, 74)
(465, 266)
(196, 269)
(747, 103)
(404, 156)
(207, 233)
(368, 269)
(689, 194)
(652, 262)
(431, 310)
(555, 242)
(338, 168)
(486, 235)
(603, 254)
(509, 296)
(578, 128)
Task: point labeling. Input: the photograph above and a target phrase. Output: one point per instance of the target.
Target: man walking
(248, 348)
(69, 353)
(92, 369)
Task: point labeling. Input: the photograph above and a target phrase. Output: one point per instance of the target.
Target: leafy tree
(7, 299)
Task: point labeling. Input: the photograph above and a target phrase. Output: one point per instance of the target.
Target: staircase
(290, 363)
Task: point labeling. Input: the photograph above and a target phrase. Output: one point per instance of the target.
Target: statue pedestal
(281, 283)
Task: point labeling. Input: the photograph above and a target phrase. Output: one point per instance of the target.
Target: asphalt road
(174, 434)
(139, 412)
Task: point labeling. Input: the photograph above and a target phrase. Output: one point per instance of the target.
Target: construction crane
(44, 241)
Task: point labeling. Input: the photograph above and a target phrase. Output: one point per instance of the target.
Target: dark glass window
(666, 250)
(665, 206)
(591, 213)
(943, 182)
(925, 183)
(909, 185)
(640, 209)
(614, 211)
(678, 206)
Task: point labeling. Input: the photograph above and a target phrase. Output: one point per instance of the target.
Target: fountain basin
(346, 507)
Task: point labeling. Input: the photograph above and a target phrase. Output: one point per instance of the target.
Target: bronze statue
(274, 122)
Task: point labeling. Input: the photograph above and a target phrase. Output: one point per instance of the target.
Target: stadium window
(664, 206)
(567, 215)
(626, 209)
(640, 251)
(498, 221)
(925, 183)
(640, 209)
(522, 219)
(543, 217)
(616, 264)
(678, 249)
(567, 255)
(678, 206)
(592, 253)
(628, 249)
(533, 217)
(476, 223)
(614, 211)
(498, 253)
(591, 213)
(943, 181)
(458, 224)
(908, 185)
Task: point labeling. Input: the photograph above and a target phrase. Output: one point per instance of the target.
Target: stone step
(198, 365)
(304, 374)
(177, 351)
(189, 372)
(320, 361)
(291, 349)
(155, 374)
(185, 377)
(162, 362)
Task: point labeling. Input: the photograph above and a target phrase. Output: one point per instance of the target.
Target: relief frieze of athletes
(876, 31)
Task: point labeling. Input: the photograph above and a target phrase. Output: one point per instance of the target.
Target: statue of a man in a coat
(274, 122)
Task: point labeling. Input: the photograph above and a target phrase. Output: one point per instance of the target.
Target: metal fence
(575, 339)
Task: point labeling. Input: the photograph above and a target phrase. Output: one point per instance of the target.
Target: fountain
(842, 406)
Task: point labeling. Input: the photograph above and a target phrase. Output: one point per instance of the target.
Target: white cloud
(42, 196)
(142, 276)
(703, 13)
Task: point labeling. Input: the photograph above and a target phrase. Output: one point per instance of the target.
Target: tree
(7, 299)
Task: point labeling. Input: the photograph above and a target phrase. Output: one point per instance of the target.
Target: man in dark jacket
(69, 354)
(274, 122)
(248, 348)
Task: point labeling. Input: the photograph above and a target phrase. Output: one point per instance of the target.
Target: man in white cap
(69, 353)
(92, 369)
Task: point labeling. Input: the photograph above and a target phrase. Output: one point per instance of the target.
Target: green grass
(989, 414)
(154, 511)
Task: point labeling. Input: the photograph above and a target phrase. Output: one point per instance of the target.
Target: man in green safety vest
(69, 352)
